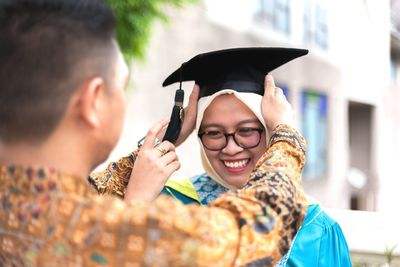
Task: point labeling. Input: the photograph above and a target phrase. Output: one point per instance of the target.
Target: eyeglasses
(244, 137)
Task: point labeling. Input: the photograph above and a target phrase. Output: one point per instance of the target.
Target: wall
(354, 68)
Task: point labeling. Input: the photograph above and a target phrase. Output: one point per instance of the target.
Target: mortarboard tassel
(175, 123)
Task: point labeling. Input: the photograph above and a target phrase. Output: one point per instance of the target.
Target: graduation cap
(239, 69)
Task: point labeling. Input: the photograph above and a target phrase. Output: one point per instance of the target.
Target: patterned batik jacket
(53, 219)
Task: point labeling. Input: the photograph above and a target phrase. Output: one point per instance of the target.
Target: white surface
(371, 232)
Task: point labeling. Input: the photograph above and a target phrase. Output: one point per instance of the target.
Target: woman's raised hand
(275, 107)
(153, 166)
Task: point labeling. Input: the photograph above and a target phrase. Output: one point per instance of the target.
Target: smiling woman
(241, 120)
(233, 156)
(233, 136)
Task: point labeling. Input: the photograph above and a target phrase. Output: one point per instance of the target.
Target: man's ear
(90, 101)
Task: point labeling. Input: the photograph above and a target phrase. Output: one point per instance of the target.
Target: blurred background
(346, 95)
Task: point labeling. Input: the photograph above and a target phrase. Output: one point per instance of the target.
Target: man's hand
(275, 108)
(153, 166)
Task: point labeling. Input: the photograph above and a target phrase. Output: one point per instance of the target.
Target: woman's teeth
(236, 164)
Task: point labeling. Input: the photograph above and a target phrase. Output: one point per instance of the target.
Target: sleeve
(333, 248)
(114, 179)
(320, 242)
(242, 228)
(277, 181)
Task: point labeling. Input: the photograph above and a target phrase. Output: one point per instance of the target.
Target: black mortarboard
(239, 69)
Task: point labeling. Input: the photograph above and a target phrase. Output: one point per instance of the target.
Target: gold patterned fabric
(282, 187)
(54, 219)
(115, 178)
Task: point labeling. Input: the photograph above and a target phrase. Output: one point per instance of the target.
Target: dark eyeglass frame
(259, 130)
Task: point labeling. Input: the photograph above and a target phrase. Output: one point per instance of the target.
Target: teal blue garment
(178, 195)
(319, 242)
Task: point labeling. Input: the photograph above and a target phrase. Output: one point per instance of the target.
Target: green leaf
(134, 20)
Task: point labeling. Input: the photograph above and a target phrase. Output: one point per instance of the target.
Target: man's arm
(275, 182)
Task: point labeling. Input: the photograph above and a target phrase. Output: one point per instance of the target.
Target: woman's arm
(114, 179)
(143, 173)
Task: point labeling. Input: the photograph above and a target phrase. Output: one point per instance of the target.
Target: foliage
(389, 253)
(134, 19)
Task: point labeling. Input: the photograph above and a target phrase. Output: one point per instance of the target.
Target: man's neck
(64, 157)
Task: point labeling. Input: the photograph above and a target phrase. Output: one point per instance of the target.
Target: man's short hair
(47, 49)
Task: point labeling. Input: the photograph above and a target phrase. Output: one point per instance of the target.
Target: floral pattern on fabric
(207, 189)
(115, 178)
(52, 219)
(280, 187)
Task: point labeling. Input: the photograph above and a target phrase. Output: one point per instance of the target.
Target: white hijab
(251, 100)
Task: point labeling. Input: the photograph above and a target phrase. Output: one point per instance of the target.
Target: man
(61, 112)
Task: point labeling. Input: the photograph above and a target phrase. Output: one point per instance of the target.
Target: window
(355, 202)
(275, 14)
(315, 130)
(315, 19)
(308, 29)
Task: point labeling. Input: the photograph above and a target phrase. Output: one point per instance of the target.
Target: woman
(256, 221)
(232, 140)
(233, 137)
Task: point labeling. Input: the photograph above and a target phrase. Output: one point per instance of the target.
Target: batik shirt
(50, 218)
(319, 241)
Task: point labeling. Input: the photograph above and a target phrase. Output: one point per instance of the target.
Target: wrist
(287, 133)
(141, 195)
(288, 122)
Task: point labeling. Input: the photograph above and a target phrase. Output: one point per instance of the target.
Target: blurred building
(345, 92)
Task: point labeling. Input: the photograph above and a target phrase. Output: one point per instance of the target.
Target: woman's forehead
(227, 103)
(227, 109)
